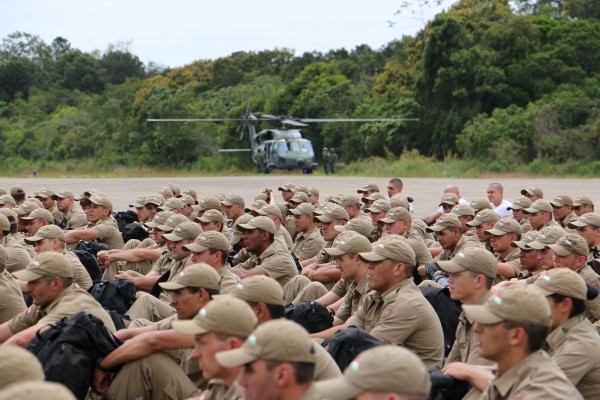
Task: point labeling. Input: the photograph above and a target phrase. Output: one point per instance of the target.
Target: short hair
(536, 334)
(408, 270)
(489, 282)
(303, 372)
(578, 304)
(196, 289)
(224, 255)
(276, 310)
(497, 186)
(66, 280)
(397, 182)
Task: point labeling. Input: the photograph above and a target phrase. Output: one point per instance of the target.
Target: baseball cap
(562, 200)
(185, 230)
(581, 200)
(537, 206)
(154, 199)
(533, 191)
(166, 192)
(233, 199)
(225, 315)
(208, 203)
(275, 340)
(175, 189)
(299, 197)
(211, 216)
(28, 206)
(159, 219)
(547, 235)
(392, 247)
(384, 368)
(35, 390)
(450, 199)
(374, 196)
(332, 212)
(47, 232)
(445, 221)
(520, 203)
(199, 275)
(139, 202)
(237, 233)
(6, 199)
(3, 256)
(286, 186)
(270, 209)
(18, 364)
(43, 193)
(396, 214)
(259, 289)
(485, 215)
(46, 264)
(399, 200)
(380, 205)
(476, 259)
(4, 223)
(300, 188)
(261, 222)
(64, 194)
(463, 210)
(208, 240)
(40, 213)
(369, 187)
(364, 226)
(313, 190)
(101, 200)
(479, 204)
(504, 226)
(255, 206)
(172, 221)
(10, 214)
(261, 196)
(514, 303)
(190, 192)
(302, 209)
(349, 200)
(527, 238)
(349, 242)
(86, 194)
(585, 220)
(171, 204)
(16, 189)
(571, 243)
(562, 281)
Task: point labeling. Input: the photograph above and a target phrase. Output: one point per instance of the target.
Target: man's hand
(125, 275)
(101, 381)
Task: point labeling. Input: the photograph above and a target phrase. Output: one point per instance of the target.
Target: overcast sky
(178, 32)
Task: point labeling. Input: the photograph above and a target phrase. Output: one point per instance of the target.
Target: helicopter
(283, 148)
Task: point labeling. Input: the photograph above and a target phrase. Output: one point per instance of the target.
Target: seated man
(11, 301)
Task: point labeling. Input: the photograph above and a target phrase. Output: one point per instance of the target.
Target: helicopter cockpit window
(294, 146)
(282, 147)
(304, 147)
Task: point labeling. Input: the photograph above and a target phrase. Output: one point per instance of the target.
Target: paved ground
(425, 191)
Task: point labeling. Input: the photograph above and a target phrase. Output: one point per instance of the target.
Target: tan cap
(391, 247)
(480, 204)
(450, 199)
(504, 226)
(313, 190)
(375, 196)
(10, 214)
(3, 256)
(349, 200)
(383, 369)
(199, 275)
(476, 259)
(139, 202)
(172, 204)
(562, 281)
(187, 200)
(159, 219)
(258, 204)
(40, 213)
(211, 216)
(46, 264)
(208, 203)
(463, 210)
(87, 193)
(299, 197)
(520, 203)
(47, 232)
(399, 200)
(270, 209)
(101, 200)
(263, 223)
(300, 188)
(219, 195)
(581, 200)
(28, 206)
(537, 206)
(208, 240)
(396, 214)
(380, 205)
(527, 238)
(547, 235)
(233, 199)
(6, 199)
(259, 289)
(335, 199)
(571, 243)
(237, 233)
(185, 230)
(275, 340)
(302, 209)
(175, 189)
(261, 196)
(585, 220)
(154, 199)
(349, 242)
(521, 304)
(190, 192)
(18, 364)
(43, 193)
(533, 191)
(64, 194)
(286, 186)
(4, 223)
(172, 221)
(16, 189)
(35, 390)
(364, 226)
(332, 212)
(445, 221)
(562, 200)
(484, 215)
(166, 192)
(225, 315)
(369, 187)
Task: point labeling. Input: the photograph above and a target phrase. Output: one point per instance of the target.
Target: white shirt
(502, 209)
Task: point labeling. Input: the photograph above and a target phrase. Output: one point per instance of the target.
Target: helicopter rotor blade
(293, 122)
(195, 119)
(357, 119)
(233, 150)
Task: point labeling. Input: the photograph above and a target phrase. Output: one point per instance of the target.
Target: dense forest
(508, 83)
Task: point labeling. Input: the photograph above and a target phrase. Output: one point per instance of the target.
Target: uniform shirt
(74, 219)
(56, 214)
(564, 223)
(575, 347)
(535, 377)
(11, 300)
(290, 226)
(70, 301)
(593, 279)
(17, 257)
(163, 263)
(20, 238)
(525, 224)
(80, 274)
(286, 237)
(417, 243)
(227, 279)
(108, 233)
(352, 298)
(513, 260)
(448, 254)
(308, 244)
(276, 261)
(465, 348)
(402, 315)
(325, 366)
(217, 390)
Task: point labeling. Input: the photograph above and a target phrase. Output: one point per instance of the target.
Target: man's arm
(327, 333)
(329, 273)
(145, 282)
(5, 333)
(328, 298)
(81, 234)
(20, 338)
(432, 218)
(242, 273)
(506, 270)
(479, 376)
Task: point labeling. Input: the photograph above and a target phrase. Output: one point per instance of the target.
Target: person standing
(332, 161)
(326, 160)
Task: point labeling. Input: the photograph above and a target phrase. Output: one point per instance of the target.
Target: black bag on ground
(90, 263)
(92, 246)
(115, 294)
(69, 350)
(346, 344)
(447, 310)
(156, 289)
(125, 217)
(134, 231)
(313, 316)
(445, 387)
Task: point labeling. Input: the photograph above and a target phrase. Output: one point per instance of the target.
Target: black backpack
(69, 350)
(115, 294)
(92, 246)
(90, 263)
(313, 316)
(346, 344)
(125, 217)
(134, 231)
(447, 310)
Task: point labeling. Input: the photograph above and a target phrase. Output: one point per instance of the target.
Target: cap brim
(227, 203)
(371, 256)
(557, 204)
(332, 251)
(436, 228)
(136, 205)
(33, 239)
(195, 248)
(163, 208)
(577, 223)
(340, 228)
(171, 285)
(323, 218)
(480, 314)
(234, 358)
(496, 232)
(172, 237)
(235, 239)
(450, 266)
(188, 327)
(559, 250)
(388, 220)
(245, 227)
(522, 245)
(535, 245)
(337, 389)
(27, 276)
(473, 223)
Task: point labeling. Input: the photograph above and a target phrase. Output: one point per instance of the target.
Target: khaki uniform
(108, 233)
(276, 261)
(80, 274)
(289, 225)
(525, 224)
(163, 264)
(592, 279)
(58, 215)
(417, 243)
(20, 238)
(74, 219)
(11, 300)
(300, 288)
(448, 254)
(286, 237)
(308, 244)
(575, 347)
(218, 391)
(355, 292)
(465, 348)
(403, 316)
(311, 394)
(529, 277)
(325, 366)
(227, 280)
(535, 377)
(17, 257)
(513, 260)
(552, 222)
(564, 223)
(70, 301)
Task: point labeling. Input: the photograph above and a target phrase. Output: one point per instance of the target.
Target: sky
(178, 32)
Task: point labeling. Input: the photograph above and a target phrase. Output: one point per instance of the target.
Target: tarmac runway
(425, 191)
